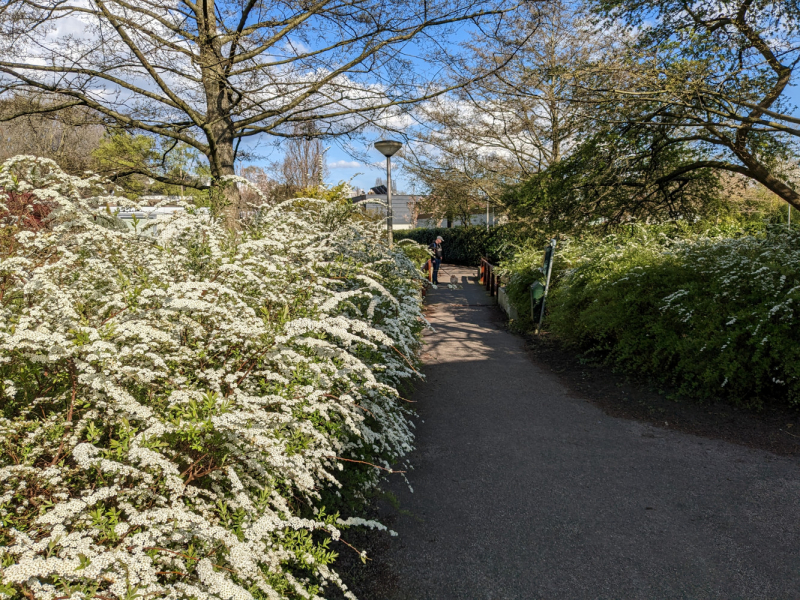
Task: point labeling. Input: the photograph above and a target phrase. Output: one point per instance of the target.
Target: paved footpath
(522, 490)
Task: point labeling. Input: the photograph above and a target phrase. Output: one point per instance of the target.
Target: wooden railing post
(488, 278)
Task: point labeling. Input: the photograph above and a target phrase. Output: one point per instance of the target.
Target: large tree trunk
(761, 174)
(219, 130)
(225, 194)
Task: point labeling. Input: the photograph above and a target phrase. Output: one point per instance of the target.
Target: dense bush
(518, 273)
(712, 315)
(416, 253)
(23, 211)
(466, 245)
(178, 414)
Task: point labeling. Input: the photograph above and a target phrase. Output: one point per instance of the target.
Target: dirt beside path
(522, 489)
(775, 428)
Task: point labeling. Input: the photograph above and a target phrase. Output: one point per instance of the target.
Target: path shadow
(521, 490)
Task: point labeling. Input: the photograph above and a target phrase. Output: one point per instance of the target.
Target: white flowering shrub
(713, 314)
(177, 411)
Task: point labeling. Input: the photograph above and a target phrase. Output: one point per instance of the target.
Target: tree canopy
(622, 109)
(212, 73)
(711, 77)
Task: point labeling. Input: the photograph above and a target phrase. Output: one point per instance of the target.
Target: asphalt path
(522, 490)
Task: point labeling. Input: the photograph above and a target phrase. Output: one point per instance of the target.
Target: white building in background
(427, 221)
(405, 215)
(374, 201)
(144, 219)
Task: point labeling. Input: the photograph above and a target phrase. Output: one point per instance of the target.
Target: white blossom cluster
(177, 410)
(728, 316)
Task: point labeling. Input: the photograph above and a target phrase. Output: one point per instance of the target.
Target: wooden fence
(489, 277)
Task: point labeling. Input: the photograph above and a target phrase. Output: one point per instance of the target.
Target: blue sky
(343, 167)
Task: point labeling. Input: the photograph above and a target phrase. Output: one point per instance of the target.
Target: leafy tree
(614, 177)
(710, 76)
(510, 123)
(122, 157)
(695, 95)
(451, 195)
(214, 73)
(341, 193)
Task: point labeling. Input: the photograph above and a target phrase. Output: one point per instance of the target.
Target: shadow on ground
(522, 490)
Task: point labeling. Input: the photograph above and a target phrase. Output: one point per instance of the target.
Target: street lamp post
(388, 148)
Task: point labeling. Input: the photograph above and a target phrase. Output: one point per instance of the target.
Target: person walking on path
(436, 248)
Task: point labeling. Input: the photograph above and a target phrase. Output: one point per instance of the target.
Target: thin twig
(112, 315)
(364, 409)
(363, 462)
(193, 464)
(407, 361)
(354, 548)
(74, 382)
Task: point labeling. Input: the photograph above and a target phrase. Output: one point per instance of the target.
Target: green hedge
(466, 245)
(713, 317)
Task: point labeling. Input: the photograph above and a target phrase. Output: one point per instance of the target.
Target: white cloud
(345, 164)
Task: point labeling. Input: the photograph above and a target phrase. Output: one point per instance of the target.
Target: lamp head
(388, 147)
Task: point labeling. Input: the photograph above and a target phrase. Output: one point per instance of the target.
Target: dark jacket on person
(436, 248)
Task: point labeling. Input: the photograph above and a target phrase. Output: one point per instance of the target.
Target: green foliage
(466, 245)
(518, 274)
(417, 253)
(613, 177)
(700, 75)
(123, 157)
(711, 313)
(341, 192)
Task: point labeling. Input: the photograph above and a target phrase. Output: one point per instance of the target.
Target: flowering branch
(156, 425)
